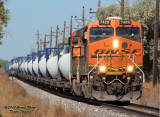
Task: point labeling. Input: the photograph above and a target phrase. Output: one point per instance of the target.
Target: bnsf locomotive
(102, 61)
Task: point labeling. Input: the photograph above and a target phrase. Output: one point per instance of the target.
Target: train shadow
(118, 103)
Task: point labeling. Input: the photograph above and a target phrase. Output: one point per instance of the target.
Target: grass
(11, 94)
(150, 95)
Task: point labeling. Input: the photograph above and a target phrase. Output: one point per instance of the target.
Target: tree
(4, 16)
(143, 14)
(109, 11)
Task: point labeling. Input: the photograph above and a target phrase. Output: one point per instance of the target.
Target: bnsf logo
(110, 51)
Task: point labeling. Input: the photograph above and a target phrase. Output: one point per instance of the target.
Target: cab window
(98, 31)
(75, 40)
(131, 33)
(127, 31)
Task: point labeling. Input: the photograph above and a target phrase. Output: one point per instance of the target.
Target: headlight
(130, 68)
(102, 68)
(115, 43)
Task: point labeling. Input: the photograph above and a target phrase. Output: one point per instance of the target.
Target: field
(11, 94)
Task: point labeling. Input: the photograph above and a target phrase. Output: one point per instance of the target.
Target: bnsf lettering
(126, 51)
(99, 51)
(110, 51)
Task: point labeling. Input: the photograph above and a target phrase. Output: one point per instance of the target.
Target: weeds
(14, 101)
(150, 95)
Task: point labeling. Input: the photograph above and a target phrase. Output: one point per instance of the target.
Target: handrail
(94, 67)
(138, 68)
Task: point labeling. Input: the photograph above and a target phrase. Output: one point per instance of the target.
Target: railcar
(102, 61)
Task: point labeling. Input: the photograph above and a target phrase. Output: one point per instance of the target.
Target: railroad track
(121, 107)
(134, 109)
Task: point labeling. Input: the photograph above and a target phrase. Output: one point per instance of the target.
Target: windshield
(127, 31)
(105, 31)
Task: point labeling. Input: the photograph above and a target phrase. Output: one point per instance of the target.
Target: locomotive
(101, 61)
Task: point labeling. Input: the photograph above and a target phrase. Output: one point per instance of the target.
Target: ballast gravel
(92, 111)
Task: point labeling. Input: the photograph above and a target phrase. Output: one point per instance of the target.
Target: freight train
(101, 61)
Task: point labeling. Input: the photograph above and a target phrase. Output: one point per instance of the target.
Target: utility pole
(71, 27)
(122, 9)
(44, 47)
(38, 40)
(44, 42)
(93, 13)
(56, 35)
(83, 20)
(40, 44)
(64, 30)
(99, 3)
(51, 38)
(31, 49)
(155, 43)
(70, 32)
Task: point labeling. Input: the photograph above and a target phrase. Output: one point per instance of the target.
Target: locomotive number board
(125, 22)
(104, 22)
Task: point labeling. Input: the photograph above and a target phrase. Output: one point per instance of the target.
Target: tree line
(3, 63)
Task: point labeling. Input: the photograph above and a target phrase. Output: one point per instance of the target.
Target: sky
(28, 16)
